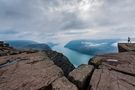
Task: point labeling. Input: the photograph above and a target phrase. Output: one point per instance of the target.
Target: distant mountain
(26, 44)
(37, 47)
(93, 47)
(20, 43)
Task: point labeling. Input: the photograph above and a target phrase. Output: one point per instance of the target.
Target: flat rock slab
(122, 61)
(12, 58)
(36, 72)
(63, 84)
(115, 72)
(124, 47)
(81, 76)
(104, 79)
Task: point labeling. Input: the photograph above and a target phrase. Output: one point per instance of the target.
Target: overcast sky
(64, 20)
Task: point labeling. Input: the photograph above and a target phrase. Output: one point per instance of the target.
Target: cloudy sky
(64, 20)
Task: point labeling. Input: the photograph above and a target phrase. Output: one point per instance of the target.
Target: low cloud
(64, 20)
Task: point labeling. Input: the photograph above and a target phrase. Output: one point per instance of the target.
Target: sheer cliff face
(61, 61)
(125, 47)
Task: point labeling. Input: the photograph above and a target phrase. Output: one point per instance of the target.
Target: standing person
(129, 40)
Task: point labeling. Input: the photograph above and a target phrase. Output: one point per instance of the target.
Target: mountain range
(93, 47)
(27, 44)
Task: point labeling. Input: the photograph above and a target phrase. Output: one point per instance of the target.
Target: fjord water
(75, 58)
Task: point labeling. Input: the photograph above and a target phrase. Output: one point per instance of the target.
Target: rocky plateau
(50, 70)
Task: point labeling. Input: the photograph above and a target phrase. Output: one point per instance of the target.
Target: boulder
(29, 72)
(125, 47)
(95, 61)
(81, 76)
(61, 61)
(115, 72)
(63, 84)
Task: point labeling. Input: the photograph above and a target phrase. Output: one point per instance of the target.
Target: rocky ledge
(50, 70)
(113, 72)
(125, 47)
(34, 70)
(107, 72)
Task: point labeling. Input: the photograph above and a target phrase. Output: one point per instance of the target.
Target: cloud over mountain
(45, 20)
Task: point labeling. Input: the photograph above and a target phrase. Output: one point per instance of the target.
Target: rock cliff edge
(50, 70)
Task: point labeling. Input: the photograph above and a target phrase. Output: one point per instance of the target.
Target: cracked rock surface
(33, 70)
(115, 72)
(33, 73)
(81, 75)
